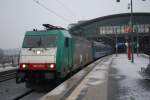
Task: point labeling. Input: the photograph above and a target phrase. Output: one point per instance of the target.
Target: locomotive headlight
(24, 66)
(51, 66)
(38, 52)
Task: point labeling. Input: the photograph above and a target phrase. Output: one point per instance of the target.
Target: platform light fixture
(118, 0)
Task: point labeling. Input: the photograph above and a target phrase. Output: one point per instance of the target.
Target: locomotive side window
(66, 42)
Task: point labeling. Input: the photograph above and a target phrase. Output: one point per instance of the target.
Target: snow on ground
(131, 85)
(99, 74)
(59, 90)
(94, 85)
(7, 68)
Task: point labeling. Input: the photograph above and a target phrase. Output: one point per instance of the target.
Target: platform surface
(125, 82)
(114, 78)
(94, 86)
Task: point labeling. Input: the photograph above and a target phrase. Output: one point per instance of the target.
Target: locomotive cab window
(40, 41)
(66, 42)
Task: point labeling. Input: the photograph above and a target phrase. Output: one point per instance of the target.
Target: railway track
(7, 75)
(23, 95)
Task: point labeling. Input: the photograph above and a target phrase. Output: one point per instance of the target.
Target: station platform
(94, 85)
(106, 81)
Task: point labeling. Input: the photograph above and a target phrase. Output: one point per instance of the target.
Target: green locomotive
(51, 54)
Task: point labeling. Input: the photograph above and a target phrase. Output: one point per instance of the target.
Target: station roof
(80, 25)
(105, 28)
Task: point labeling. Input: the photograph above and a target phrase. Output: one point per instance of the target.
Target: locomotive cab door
(68, 47)
(70, 59)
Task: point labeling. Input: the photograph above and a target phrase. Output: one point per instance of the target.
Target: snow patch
(100, 73)
(60, 89)
(8, 68)
(132, 86)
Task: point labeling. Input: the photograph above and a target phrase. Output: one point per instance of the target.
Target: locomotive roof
(65, 33)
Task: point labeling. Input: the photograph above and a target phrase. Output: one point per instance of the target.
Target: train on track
(53, 53)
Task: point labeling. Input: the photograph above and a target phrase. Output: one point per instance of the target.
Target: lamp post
(149, 46)
(132, 35)
(116, 43)
(137, 45)
(131, 25)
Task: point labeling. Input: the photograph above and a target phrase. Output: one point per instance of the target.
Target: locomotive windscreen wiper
(30, 49)
(39, 42)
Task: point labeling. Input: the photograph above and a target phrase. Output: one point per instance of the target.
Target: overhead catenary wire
(67, 9)
(51, 11)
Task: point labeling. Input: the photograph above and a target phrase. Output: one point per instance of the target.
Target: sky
(19, 16)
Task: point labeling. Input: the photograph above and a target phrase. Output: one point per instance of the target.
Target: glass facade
(140, 28)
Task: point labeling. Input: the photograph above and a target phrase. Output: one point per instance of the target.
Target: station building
(116, 30)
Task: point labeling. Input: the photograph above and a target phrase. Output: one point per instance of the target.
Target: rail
(23, 95)
(7, 75)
